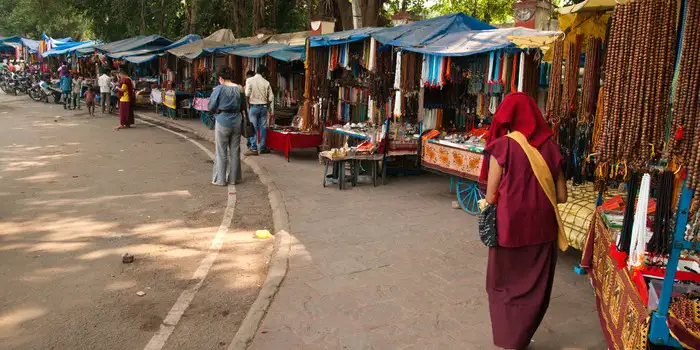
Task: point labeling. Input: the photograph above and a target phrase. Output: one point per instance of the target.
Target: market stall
(286, 74)
(641, 249)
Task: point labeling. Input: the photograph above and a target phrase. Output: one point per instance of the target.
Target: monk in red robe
(520, 269)
(126, 101)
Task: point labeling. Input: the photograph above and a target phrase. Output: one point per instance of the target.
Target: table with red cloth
(285, 140)
(623, 317)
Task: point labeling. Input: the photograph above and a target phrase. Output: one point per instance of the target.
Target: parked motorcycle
(48, 91)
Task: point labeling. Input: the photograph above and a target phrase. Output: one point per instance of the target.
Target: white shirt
(259, 92)
(103, 81)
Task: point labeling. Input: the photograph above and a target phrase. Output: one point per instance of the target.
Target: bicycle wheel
(468, 196)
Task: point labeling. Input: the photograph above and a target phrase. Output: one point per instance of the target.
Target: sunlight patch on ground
(102, 199)
(11, 321)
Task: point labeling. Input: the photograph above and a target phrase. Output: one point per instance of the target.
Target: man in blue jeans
(259, 94)
(66, 87)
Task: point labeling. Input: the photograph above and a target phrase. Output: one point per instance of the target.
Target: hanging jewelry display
(684, 142)
(554, 94)
(634, 108)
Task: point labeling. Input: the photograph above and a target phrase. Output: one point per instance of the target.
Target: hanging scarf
(521, 77)
(517, 112)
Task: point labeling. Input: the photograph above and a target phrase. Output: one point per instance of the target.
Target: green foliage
(111, 20)
(490, 11)
(31, 18)
(392, 7)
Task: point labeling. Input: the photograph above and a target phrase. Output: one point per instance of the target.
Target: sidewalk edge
(279, 261)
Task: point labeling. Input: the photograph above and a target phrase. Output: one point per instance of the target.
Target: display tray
(451, 159)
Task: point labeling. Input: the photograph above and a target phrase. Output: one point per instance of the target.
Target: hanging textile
(521, 73)
(372, 55)
(639, 228)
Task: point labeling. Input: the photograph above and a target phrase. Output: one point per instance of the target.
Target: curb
(279, 261)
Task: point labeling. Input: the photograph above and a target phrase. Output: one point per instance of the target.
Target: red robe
(126, 109)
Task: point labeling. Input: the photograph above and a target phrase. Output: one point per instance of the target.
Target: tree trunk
(310, 12)
(143, 17)
(162, 17)
(258, 14)
(235, 18)
(344, 14)
(370, 16)
(193, 16)
(273, 15)
(356, 14)
(487, 11)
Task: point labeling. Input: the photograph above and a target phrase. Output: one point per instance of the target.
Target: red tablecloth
(285, 141)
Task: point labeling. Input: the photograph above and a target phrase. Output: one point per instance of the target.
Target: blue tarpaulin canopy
(255, 51)
(141, 58)
(68, 48)
(343, 37)
(31, 45)
(184, 40)
(291, 53)
(420, 32)
(475, 42)
(6, 47)
(135, 43)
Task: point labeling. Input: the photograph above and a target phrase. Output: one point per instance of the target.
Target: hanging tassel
(679, 133)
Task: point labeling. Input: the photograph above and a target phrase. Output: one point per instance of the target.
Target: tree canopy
(111, 20)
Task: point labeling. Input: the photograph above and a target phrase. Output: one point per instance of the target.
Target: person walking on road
(76, 91)
(104, 82)
(66, 87)
(225, 102)
(90, 98)
(520, 270)
(250, 140)
(126, 101)
(259, 94)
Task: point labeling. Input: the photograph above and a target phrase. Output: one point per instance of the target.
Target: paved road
(75, 195)
(394, 267)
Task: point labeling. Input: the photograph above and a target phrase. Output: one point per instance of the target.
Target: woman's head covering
(517, 112)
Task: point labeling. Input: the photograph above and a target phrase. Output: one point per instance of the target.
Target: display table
(396, 148)
(337, 164)
(623, 316)
(452, 159)
(284, 141)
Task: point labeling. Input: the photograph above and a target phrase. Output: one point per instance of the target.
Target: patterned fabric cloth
(200, 104)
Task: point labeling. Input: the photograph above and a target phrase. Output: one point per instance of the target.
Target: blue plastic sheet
(189, 38)
(134, 43)
(255, 51)
(421, 32)
(474, 42)
(290, 54)
(346, 36)
(68, 48)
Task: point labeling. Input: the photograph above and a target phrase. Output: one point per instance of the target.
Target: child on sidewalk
(90, 100)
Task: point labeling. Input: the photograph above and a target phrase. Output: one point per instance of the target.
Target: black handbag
(487, 226)
(248, 130)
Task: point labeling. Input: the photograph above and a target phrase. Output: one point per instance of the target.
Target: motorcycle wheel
(35, 95)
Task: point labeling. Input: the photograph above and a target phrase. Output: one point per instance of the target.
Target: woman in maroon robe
(520, 270)
(126, 101)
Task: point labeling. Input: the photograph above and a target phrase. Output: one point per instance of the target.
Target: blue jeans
(66, 99)
(228, 155)
(258, 117)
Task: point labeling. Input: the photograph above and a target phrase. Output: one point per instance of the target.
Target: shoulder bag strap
(544, 177)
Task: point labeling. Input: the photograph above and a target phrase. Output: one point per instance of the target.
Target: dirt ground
(75, 195)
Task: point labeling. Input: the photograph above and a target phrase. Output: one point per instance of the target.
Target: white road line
(183, 302)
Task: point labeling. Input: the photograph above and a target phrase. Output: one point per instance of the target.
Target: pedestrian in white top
(259, 94)
(104, 82)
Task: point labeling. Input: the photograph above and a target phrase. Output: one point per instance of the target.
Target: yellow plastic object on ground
(262, 234)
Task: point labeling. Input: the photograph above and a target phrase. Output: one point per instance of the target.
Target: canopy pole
(306, 111)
